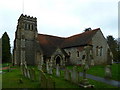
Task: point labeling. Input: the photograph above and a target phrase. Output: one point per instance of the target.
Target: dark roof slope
(50, 43)
(79, 39)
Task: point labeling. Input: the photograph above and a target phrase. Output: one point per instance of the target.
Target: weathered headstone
(58, 70)
(40, 74)
(50, 82)
(43, 81)
(108, 73)
(33, 77)
(44, 68)
(50, 70)
(66, 74)
(28, 73)
(75, 75)
(25, 71)
(47, 66)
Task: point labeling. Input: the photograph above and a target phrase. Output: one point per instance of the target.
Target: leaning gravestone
(108, 73)
(50, 82)
(58, 70)
(28, 73)
(43, 80)
(25, 71)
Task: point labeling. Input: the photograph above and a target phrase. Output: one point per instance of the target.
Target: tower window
(32, 27)
(29, 26)
(25, 26)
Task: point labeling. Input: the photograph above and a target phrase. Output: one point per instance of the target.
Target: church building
(35, 48)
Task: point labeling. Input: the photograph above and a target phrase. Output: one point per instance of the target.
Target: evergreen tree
(6, 55)
(113, 46)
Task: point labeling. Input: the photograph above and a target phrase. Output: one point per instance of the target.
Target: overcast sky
(61, 17)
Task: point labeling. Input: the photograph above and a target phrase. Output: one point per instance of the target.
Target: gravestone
(75, 75)
(40, 74)
(25, 64)
(50, 82)
(92, 62)
(47, 66)
(28, 73)
(43, 80)
(44, 68)
(25, 71)
(58, 70)
(39, 66)
(50, 70)
(33, 77)
(108, 73)
(67, 74)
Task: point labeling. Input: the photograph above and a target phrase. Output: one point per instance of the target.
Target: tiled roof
(50, 43)
(79, 39)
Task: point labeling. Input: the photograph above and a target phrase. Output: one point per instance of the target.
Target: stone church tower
(25, 40)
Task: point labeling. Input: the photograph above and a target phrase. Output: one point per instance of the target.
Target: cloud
(61, 17)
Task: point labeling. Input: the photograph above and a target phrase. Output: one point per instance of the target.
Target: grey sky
(61, 17)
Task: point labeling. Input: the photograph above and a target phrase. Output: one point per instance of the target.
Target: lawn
(99, 70)
(11, 80)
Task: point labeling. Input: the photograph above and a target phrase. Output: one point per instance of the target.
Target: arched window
(101, 50)
(97, 51)
(78, 54)
(29, 26)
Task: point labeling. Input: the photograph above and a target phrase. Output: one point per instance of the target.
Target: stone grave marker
(108, 73)
(40, 74)
(74, 75)
(50, 82)
(65, 74)
(43, 80)
(58, 70)
(28, 73)
(47, 66)
(44, 68)
(25, 69)
(33, 77)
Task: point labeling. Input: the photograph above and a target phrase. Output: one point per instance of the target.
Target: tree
(113, 46)
(6, 55)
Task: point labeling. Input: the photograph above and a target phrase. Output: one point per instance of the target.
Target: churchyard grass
(11, 80)
(99, 70)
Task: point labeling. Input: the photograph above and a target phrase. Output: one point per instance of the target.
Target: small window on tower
(32, 27)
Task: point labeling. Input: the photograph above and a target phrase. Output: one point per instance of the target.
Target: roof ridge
(84, 32)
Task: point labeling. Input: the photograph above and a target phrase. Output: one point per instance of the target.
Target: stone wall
(99, 41)
(74, 59)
